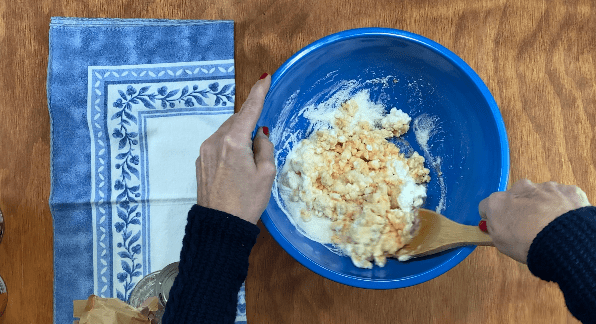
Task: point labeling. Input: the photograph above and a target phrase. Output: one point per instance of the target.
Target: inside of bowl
(464, 150)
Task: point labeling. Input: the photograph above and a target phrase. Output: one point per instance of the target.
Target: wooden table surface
(536, 57)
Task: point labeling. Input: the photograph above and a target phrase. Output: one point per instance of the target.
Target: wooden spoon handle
(472, 235)
(465, 235)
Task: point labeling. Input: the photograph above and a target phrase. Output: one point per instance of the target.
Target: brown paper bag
(97, 310)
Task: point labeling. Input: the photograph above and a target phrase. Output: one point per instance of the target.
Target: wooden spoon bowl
(437, 233)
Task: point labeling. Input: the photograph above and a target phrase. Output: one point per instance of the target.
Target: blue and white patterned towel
(130, 102)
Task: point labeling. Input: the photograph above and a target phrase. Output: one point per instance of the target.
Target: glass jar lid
(3, 298)
(1, 226)
(165, 281)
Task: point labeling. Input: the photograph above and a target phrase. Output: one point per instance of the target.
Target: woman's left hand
(235, 173)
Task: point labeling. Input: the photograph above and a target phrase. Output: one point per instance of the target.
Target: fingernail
(482, 226)
(263, 76)
(266, 130)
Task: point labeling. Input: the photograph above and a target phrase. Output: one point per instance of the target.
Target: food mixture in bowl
(349, 186)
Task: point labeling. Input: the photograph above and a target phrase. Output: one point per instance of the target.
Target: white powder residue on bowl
(425, 127)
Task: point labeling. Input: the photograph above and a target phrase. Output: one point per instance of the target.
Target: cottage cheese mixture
(349, 186)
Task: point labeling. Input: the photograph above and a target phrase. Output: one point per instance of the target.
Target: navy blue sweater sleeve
(213, 266)
(565, 252)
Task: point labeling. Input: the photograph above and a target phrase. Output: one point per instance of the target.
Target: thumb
(263, 153)
(483, 207)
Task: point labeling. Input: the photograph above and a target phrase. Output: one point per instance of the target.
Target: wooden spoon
(437, 233)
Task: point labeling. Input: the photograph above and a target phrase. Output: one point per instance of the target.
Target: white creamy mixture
(346, 185)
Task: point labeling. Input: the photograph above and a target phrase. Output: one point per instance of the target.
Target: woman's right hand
(514, 217)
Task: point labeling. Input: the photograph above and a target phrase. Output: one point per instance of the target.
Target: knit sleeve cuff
(565, 252)
(211, 224)
(213, 266)
(568, 241)
(219, 241)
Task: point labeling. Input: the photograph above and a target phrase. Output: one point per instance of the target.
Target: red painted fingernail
(482, 226)
(263, 76)
(266, 130)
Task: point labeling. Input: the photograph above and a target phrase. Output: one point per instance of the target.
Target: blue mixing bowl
(468, 152)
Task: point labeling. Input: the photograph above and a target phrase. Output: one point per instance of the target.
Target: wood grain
(536, 57)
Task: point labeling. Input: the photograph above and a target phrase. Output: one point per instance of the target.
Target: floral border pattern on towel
(215, 96)
(153, 95)
(128, 161)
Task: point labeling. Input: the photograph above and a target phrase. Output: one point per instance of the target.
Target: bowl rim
(462, 252)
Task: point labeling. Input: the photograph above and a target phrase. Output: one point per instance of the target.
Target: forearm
(565, 252)
(213, 265)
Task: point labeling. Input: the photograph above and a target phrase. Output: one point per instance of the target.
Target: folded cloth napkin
(130, 102)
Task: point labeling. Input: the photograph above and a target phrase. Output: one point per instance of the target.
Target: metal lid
(144, 289)
(3, 297)
(3, 289)
(165, 281)
(1, 226)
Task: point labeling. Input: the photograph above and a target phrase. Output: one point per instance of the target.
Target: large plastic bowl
(428, 79)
